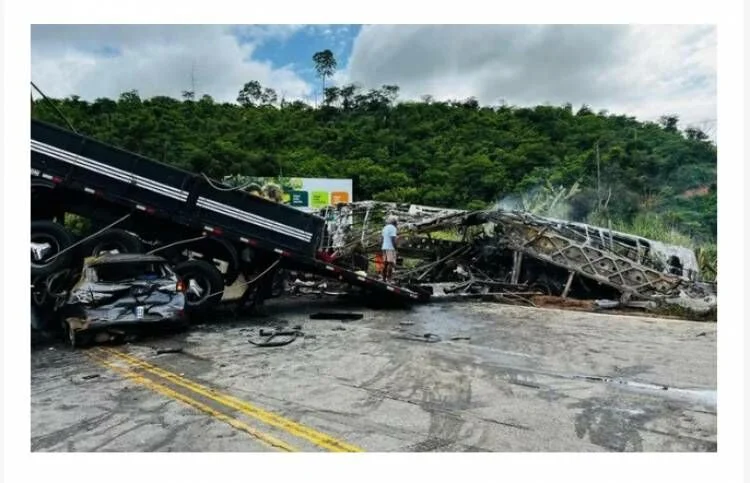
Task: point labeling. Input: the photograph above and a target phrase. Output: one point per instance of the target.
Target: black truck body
(165, 191)
(97, 175)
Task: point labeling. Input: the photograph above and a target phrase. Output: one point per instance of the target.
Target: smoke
(510, 203)
(560, 203)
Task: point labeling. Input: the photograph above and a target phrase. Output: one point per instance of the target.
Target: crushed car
(120, 293)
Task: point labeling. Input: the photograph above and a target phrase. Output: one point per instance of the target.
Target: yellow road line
(166, 391)
(292, 427)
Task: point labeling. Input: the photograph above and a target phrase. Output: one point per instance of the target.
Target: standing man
(389, 247)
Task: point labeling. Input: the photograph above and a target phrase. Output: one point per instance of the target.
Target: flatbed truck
(198, 224)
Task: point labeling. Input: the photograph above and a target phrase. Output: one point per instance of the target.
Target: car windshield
(132, 271)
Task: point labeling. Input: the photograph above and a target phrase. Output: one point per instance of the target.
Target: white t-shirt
(388, 232)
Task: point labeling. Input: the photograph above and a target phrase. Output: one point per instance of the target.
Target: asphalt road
(524, 380)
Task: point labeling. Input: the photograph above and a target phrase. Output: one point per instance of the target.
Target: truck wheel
(47, 239)
(223, 250)
(202, 280)
(113, 240)
(220, 249)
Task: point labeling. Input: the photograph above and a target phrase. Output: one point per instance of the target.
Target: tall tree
(331, 95)
(669, 122)
(347, 94)
(325, 65)
(268, 97)
(251, 93)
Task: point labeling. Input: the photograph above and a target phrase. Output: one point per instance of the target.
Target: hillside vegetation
(651, 177)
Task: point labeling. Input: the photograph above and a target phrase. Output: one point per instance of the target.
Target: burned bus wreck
(512, 253)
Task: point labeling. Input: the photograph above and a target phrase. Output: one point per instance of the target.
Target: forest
(649, 178)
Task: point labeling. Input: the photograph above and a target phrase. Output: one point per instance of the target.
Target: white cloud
(156, 60)
(646, 71)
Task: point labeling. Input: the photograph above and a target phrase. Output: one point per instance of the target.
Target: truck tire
(230, 255)
(202, 279)
(209, 248)
(223, 250)
(58, 238)
(113, 239)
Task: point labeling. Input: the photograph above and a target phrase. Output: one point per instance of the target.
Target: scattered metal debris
(428, 337)
(606, 304)
(276, 337)
(515, 256)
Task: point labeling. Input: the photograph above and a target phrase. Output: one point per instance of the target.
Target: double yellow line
(106, 356)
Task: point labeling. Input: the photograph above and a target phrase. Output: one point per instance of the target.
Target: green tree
(250, 94)
(448, 153)
(325, 65)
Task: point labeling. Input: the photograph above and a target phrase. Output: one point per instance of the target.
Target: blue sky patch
(297, 49)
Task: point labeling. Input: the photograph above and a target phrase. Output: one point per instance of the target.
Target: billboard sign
(307, 194)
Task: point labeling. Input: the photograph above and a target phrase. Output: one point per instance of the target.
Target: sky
(641, 70)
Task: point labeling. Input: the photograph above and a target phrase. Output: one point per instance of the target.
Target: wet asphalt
(496, 378)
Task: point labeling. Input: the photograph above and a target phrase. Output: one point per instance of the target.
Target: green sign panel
(319, 199)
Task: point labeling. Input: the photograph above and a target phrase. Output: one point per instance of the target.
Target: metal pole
(567, 284)
(598, 178)
(516, 273)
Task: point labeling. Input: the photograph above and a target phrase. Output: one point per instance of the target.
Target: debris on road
(336, 316)
(428, 337)
(168, 350)
(606, 304)
(276, 337)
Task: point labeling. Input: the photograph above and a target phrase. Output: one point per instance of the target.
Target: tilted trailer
(132, 199)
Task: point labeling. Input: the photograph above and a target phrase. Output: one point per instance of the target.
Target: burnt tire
(58, 238)
(113, 239)
(77, 339)
(205, 277)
